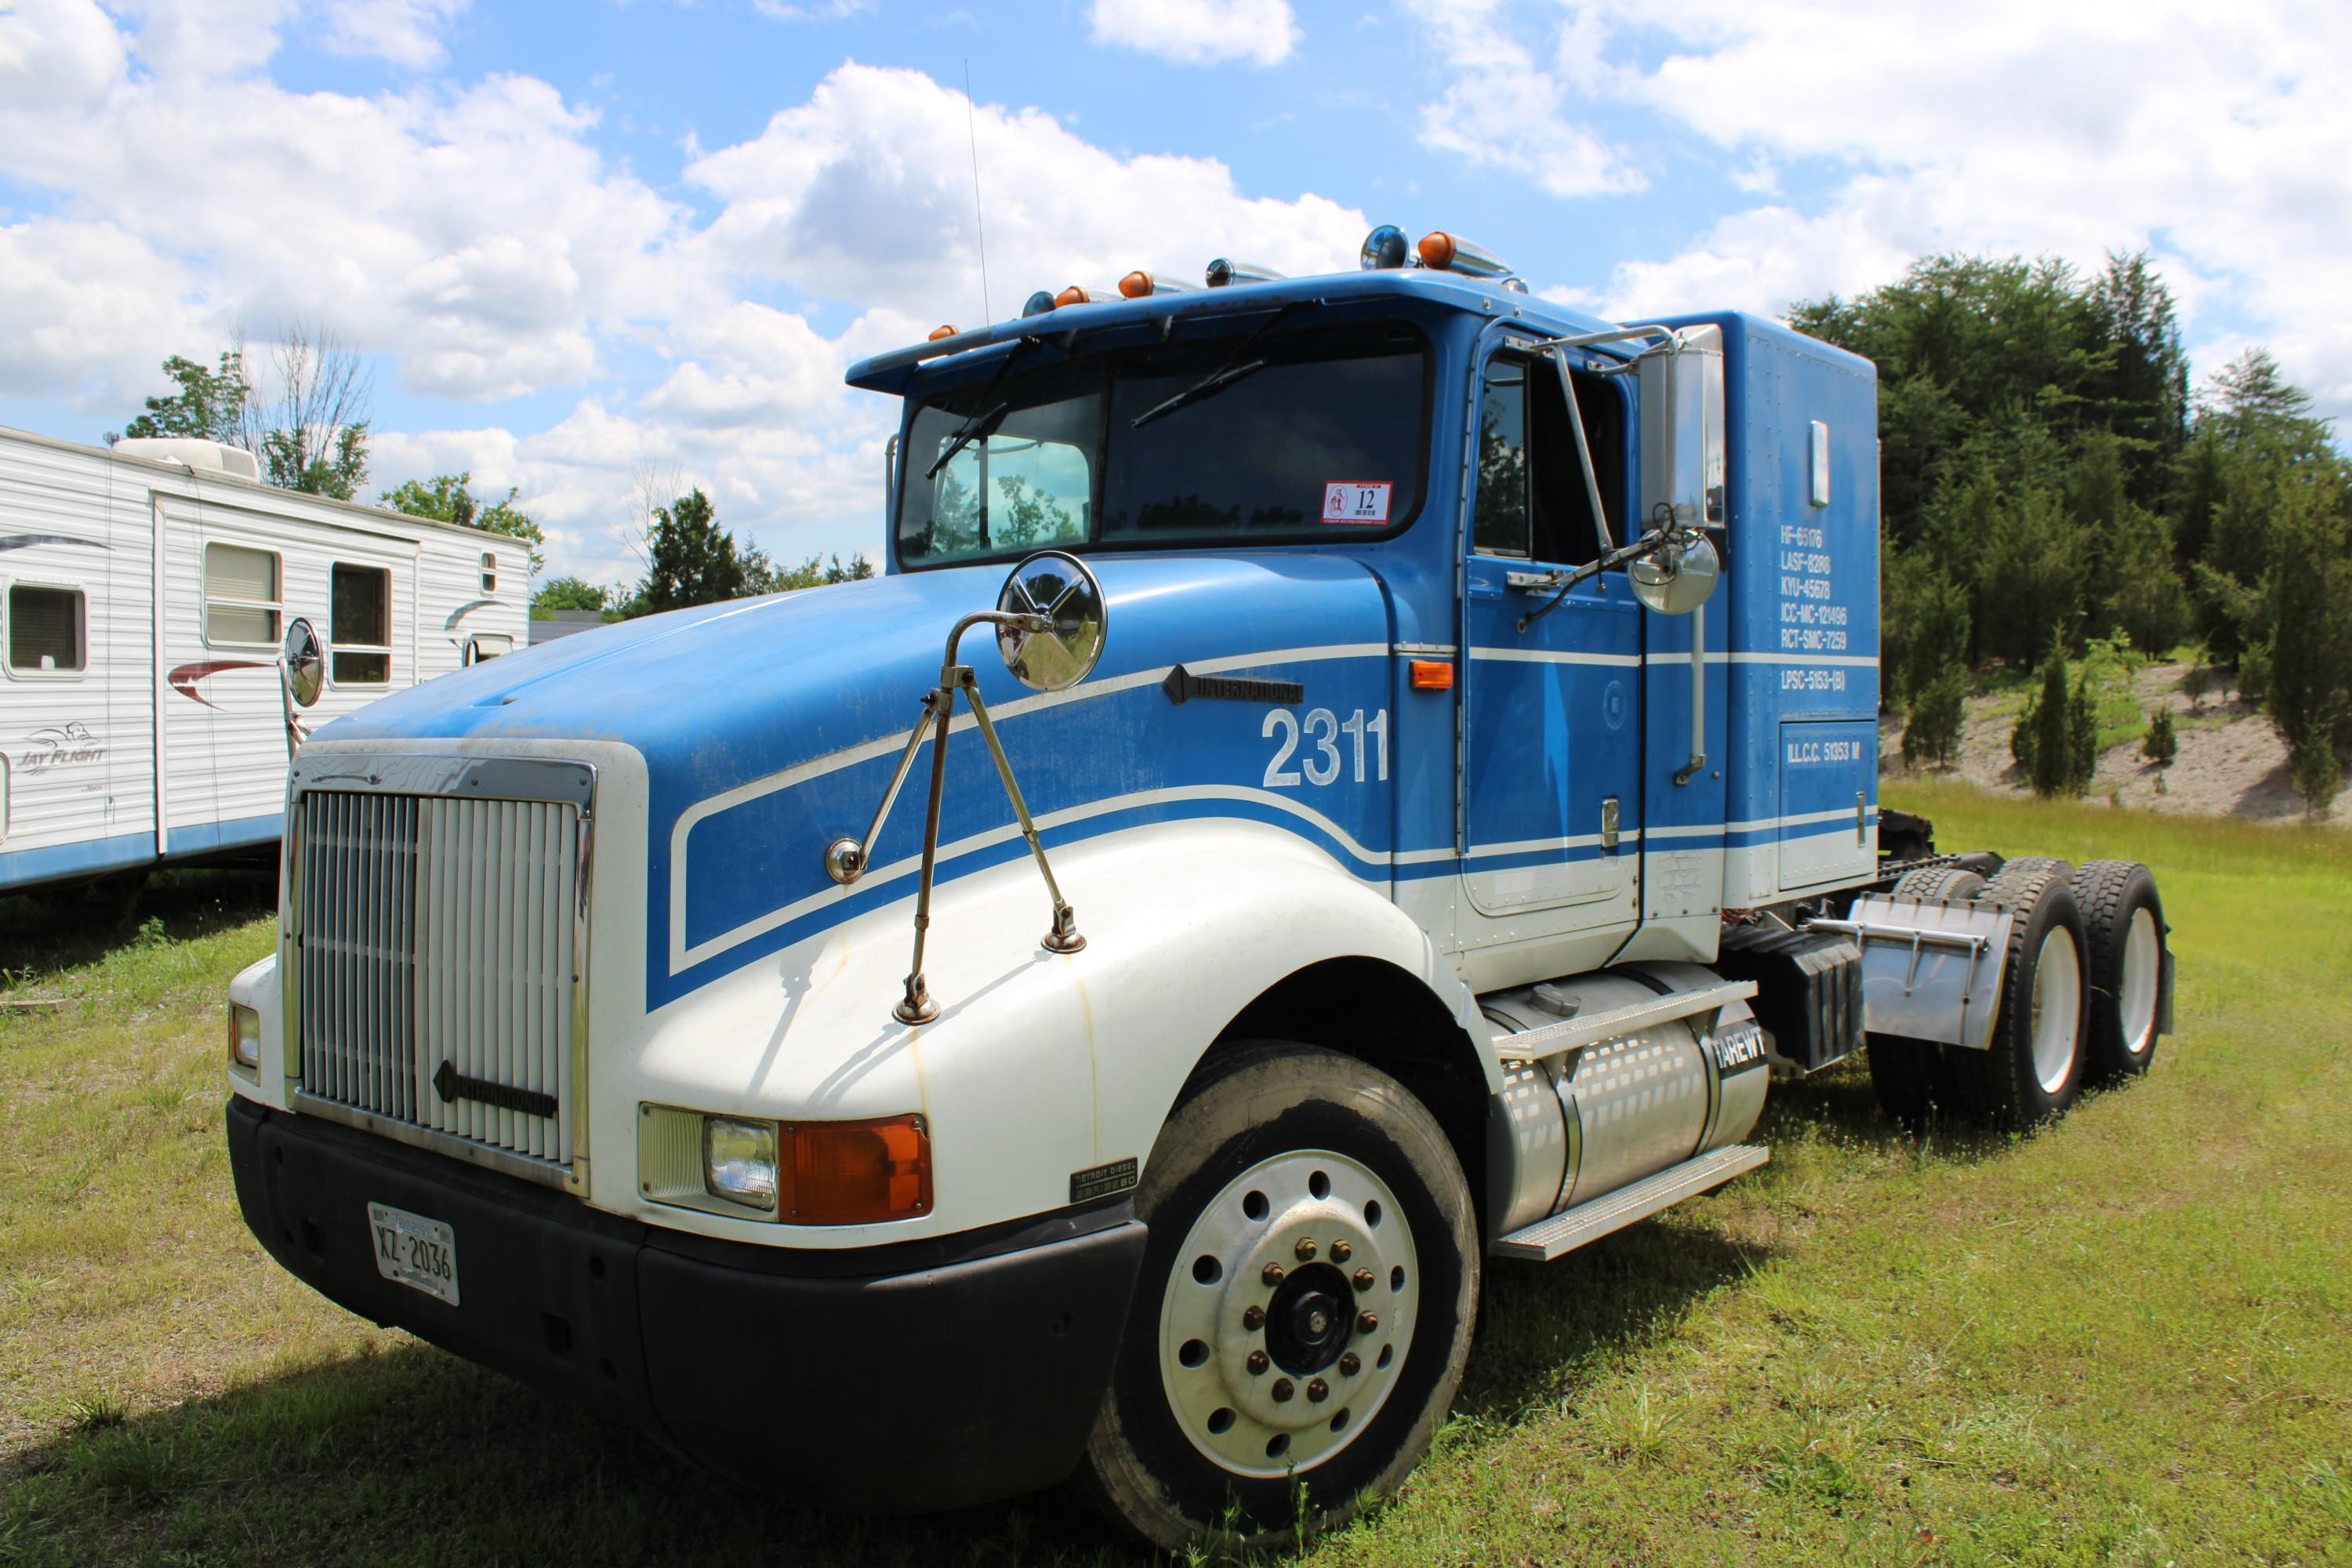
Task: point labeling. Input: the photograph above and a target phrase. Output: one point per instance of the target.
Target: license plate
(419, 1253)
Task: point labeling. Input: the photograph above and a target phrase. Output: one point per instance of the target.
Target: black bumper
(921, 1375)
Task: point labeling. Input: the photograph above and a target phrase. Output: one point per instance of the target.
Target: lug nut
(1342, 1251)
(1363, 1279)
(1367, 1323)
(1258, 1362)
(1319, 1391)
(1350, 1365)
(1306, 1248)
(1253, 1318)
(1272, 1275)
(1282, 1389)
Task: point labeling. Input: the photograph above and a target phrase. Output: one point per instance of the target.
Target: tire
(1275, 1145)
(1930, 882)
(2024, 870)
(2124, 947)
(2039, 1058)
(1909, 1076)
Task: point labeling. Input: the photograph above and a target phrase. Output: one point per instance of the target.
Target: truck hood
(769, 727)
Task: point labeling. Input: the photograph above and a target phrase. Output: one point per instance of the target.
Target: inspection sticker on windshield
(1356, 501)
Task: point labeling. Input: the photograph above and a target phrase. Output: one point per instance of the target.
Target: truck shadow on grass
(427, 1458)
(45, 932)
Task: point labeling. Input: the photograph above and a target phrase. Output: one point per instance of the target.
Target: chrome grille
(434, 942)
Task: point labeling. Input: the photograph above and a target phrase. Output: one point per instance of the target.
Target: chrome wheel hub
(1287, 1314)
(2137, 986)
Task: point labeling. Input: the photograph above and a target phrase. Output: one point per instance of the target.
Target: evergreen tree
(2050, 767)
(1939, 714)
(2081, 733)
(690, 559)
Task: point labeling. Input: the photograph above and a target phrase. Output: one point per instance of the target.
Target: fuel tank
(1570, 1128)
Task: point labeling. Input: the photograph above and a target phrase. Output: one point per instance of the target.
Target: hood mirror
(1678, 576)
(1060, 589)
(301, 676)
(305, 662)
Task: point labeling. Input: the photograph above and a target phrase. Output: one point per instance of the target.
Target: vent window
(242, 598)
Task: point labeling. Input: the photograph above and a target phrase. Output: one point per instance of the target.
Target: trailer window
(362, 624)
(489, 573)
(47, 630)
(242, 600)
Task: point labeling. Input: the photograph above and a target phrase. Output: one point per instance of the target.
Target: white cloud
(824, 11)
(406, 32)
(1501, 108)
(1199, 32)
(864, 194)
(2217, 136)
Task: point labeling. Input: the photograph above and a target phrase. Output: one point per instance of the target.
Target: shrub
(1938, 714)
(2163, 743)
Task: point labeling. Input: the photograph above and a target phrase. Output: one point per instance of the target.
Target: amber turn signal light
(854, 1172)
(1432, 674)
(939, 332)
(1073, 295)
(1436, 249)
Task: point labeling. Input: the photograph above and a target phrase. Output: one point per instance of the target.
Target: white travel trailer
(143, 593)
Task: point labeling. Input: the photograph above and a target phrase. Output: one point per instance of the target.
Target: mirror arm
(1689, 770)
(1602, 537)
(1650, 544)
(1063, 937)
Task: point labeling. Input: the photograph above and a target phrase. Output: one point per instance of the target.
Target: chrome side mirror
(305, 662)
(1682, 432)
(1063, 592)
(1678, 576)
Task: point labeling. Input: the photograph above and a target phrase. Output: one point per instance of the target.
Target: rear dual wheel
(1305, 1308)
(2039, 1058)
(2123, 929)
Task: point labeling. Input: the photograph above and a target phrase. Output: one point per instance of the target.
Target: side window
(47, 630)
(1563, 527)
(489, 573)
(361, 627)
(242, 599)
(1499, 522)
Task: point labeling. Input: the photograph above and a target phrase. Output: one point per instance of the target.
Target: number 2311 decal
(1321, 762)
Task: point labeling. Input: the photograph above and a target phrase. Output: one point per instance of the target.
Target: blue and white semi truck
(1424, 790)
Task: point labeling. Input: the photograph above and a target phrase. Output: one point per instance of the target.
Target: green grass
(2123, 1339)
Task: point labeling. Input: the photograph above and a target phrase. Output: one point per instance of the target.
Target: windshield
(1322, 439)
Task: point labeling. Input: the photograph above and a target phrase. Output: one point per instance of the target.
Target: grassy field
(2122, 1340)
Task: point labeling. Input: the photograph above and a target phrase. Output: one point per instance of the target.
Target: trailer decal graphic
(183, 679)
(60, 745)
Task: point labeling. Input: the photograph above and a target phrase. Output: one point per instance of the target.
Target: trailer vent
(434, 942)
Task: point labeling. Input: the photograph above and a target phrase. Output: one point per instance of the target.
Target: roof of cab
(891, 372)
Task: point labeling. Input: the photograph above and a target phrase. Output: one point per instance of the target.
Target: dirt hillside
(2231, 763)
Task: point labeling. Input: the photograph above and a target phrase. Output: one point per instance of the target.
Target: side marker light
(1432, 674)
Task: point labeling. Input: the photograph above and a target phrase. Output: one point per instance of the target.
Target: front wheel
(1305, 1307)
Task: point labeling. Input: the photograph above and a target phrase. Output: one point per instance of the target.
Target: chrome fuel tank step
(1565, 1232)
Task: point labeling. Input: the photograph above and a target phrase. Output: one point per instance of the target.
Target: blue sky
(595, 249)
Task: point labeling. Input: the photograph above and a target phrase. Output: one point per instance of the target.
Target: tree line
(2051, 486)
(312, 436)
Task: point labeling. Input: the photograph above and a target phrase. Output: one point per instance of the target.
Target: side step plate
(1585, 1029)
(1565, 1232)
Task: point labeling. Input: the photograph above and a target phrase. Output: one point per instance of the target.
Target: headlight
(794, 1172)
(739, 1162)
(244, 1038)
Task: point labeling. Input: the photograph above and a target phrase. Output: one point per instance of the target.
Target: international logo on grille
(452, 1085)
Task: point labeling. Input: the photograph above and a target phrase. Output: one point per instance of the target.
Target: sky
(585, 245)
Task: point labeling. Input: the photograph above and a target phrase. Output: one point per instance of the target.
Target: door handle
(1609, 823)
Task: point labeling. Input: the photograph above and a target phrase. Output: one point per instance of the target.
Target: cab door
(1552, 722)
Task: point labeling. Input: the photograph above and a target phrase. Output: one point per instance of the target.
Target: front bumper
(916, 1377)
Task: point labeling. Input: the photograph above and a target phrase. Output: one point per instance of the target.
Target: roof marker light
(939, 332)
(1079, 294)
(1385, 248)
(1141, 285)
(1225, 272)
(1451, 253)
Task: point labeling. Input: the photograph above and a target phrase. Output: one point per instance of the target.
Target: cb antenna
(979, 224)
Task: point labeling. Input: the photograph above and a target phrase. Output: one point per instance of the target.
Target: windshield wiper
(983, 425)
(978, 426)
(1225, 374)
